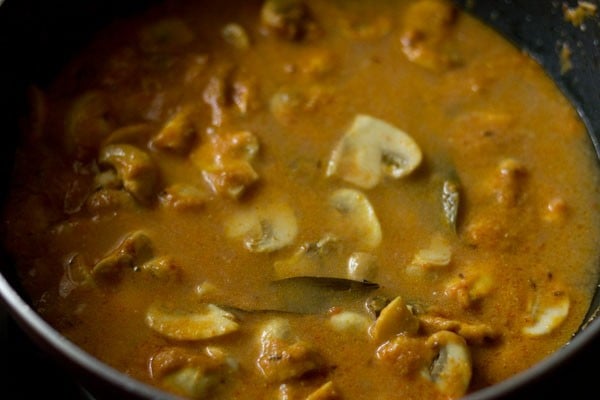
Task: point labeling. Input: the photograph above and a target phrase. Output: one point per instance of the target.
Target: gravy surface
(307, 200)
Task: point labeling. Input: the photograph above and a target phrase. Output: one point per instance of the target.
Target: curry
(302, 199)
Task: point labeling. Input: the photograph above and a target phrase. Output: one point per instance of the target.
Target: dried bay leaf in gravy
(299, 199)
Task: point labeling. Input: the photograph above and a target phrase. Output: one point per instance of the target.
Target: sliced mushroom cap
(277, 329)
(311, 259)
(134, 166)
(284, 356)
(192, 382)
(362, 266)
(135, 249)
(355, 218)
(451, 202)
(548, 314)
(395, 318)
(370, 149)
(265, 228)
(181, 196)
(450, 369)
(375, 304)
(208, 322)
(76, 273)
(163, 267)
(438, 254)
(350, 321)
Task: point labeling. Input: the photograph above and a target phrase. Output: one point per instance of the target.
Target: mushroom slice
(134, 166)
(263, 229)
(163, 267)
(283, 355)
(192, 382)
(438, 254)
(76, 273)
(395, 318)
(548, 314)
(311, 259)
(356, 217)
(135, 249)
(375, 304)
(181, 196)
(450, 202)
(208, 322)
(350, 321)
(450, 369)
(370, 149)
(362, 266)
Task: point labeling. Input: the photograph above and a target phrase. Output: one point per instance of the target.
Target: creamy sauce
(193, 157)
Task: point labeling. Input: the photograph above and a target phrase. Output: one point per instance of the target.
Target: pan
(37, 37)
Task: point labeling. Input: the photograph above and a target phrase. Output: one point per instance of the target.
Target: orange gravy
(307, 200)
